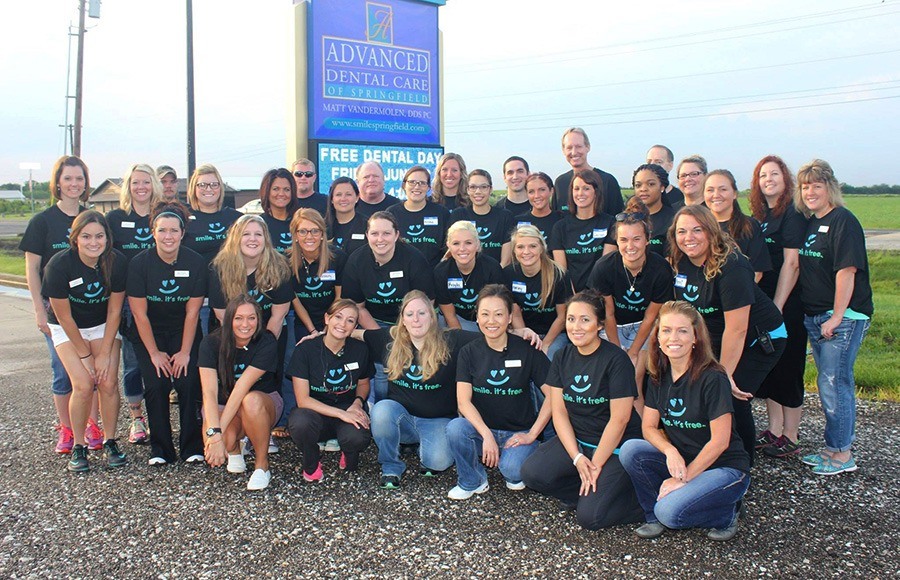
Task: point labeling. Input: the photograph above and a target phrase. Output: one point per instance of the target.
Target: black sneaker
(390, 482)
(78, 462)
(426, 472)
(114, 456)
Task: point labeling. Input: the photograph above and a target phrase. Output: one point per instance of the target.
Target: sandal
(280, 433)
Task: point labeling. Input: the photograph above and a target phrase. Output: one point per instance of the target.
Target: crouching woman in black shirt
(693, 470)
(240, 395)
(592, 392)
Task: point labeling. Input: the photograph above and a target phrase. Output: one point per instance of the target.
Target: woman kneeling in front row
(692, 472)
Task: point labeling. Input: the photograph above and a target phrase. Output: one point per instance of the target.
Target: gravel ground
(191, 521)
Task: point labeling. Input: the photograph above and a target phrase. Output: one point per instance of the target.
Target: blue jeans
(294, 333)
(378, 384)
(392, 425)
(560, 341)
(205, 312)
(707, 501)
(61, 384)
(465, 444)
(627, 333)
(837, 388)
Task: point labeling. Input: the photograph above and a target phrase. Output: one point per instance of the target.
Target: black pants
(549, 471)
(784, 384)
(307, 428)
(156, 398)
(751, 371)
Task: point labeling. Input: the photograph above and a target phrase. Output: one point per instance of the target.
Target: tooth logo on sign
(676, 407)
(143, 235)
(633, 297)
(495, 381)
(386, 289)
(585, 239)
(810, 240)
(581, 383)
(414, 373)
(169, 287)
(216, 228)
(93, 290)
(468, 296)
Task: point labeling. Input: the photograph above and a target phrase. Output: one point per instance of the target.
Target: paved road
(183, 521)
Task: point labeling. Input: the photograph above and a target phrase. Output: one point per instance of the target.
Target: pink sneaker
(317, 475)
(93, 436)
(343, 462)
(66, 440)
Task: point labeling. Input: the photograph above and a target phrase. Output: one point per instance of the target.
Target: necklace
(631, 281)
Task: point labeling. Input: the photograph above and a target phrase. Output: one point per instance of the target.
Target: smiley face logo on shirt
(415, 230)
(336, 378)
(312, 283)
(143, 235)
(239, 370)
(169, 286)
(386, 289)
(676, 407)
(633, 297)
(468, 296)
(581, 383)
(532, 299)
(690, 293)
(216, 228)
(414, 373)
(585, 239)
(93, 290)
(810, 240)
(764, 226)
(284, 239)
(498, 377)
(256, 295)
(339, 242)
(483, 233)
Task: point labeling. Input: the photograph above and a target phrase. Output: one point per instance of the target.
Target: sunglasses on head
(637, 216)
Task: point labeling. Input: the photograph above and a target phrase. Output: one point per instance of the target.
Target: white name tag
(823, 229)
(397, 274)
(599, 233)
(512, 363)
(76, 282)
(192, 217)
(431, 221)
(519, 288)
(129, 225)
(680, 281)
(358, 236)
(351, 366)
(182, 273)
(327, 276)
(520, 224)
(454, 283)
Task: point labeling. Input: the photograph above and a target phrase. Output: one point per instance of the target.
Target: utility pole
(76, 138)
(191, 150)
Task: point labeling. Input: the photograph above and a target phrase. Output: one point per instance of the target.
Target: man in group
(305, 177)
(576, 146)
(515, 170)
(372, 198)
(663, 156)
(169, 180)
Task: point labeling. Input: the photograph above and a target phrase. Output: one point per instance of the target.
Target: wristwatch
(213, 430)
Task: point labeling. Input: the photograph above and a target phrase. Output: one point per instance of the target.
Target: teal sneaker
(814, 459)
(832, 467)
(78, 462)
(390, 482)
(114, 456)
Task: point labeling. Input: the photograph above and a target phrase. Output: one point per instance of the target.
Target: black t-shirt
(501, 381)
(452, 287)
(660, 222)
(382, 288)
(588, 384)
(316, 293)
(632, 296)
(753, 247)
(279, 232)
(731, 289)
(66, 276)
(206, 232)
(316, 201)
(785, 231)
(167, 287)
(349, 236)
(426, 397)
(48, 233)
(131, 232)
(833, 243)
(261, 353)
(686, 409)
(612, 193)
(494, 228)
(527, 293)
(673, 198)
(425, 230)
(265, 297)
(367, 209)
(513, 207)
(332, 377)
(544, 224)
(582, 241)
(450, 202)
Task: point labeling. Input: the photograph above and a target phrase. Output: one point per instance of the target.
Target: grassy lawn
(12, 264)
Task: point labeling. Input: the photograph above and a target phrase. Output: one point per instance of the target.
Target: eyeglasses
(692, 174)
(416, 184)
(304, 173)
(208, 185)
(637, 216)
(315, 232)
(484, 187)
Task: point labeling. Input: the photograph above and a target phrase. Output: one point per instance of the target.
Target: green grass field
(12, 264)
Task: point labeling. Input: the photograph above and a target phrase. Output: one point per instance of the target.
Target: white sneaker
(515, 485)
(273, 448)
(259, 480)
(331, 445)
(196, 458)
(156, 461)
(460, 493)
(236, 464)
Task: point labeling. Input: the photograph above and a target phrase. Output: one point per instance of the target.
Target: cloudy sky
(732, 81)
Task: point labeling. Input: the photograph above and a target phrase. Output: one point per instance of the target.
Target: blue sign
(373, 71)
(342, 159)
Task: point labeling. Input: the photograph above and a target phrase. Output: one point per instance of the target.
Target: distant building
(12, 195)
(105, 196)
